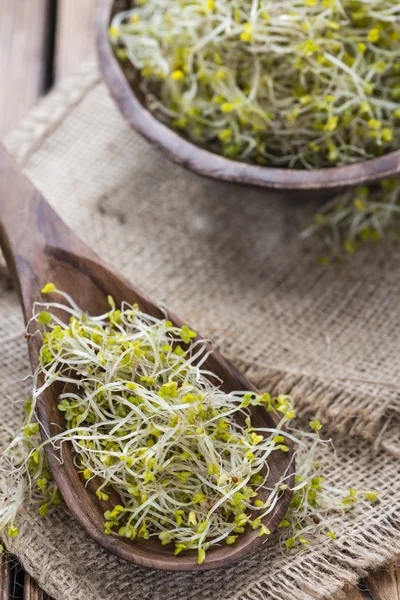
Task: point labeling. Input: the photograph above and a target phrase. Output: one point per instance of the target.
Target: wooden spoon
(40, 248)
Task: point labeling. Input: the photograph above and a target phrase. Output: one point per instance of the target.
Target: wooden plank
(355, 594)
(75, 40)
(385, 584)
(5, 576)
(32, 590)
(23, 47)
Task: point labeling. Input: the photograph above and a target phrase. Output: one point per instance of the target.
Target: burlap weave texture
(228, 259)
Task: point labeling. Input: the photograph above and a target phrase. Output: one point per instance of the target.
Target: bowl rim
(204, 162)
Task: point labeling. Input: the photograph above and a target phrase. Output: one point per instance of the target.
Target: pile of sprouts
(359, 216)
(148, 422)
(295, 83)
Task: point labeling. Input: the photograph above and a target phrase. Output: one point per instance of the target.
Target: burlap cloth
(228, 259)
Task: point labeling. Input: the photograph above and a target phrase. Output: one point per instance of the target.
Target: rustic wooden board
(23, 66)
(32, 591)
(385, 584)
(5, 568)
(75, 35)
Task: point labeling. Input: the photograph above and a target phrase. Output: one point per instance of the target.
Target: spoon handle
(31, 233)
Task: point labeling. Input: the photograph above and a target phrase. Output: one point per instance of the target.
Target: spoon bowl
(40, 248)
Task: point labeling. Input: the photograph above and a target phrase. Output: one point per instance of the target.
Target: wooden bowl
(124, 84)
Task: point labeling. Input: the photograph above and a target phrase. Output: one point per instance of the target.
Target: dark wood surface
(5, 576)
(124, 86)
(31, 589)
(63, 30)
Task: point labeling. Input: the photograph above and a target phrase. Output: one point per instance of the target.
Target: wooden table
(42, 41)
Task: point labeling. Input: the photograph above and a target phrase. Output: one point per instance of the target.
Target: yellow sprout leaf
(316, 425)
(373, 35)
(201, 555)
(177, 75)
(48, 288)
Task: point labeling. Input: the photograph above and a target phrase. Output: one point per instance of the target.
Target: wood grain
(385, 584)
(38, 248)
(5, 576)
(23, 46)
(355, 594)
(75, 35)
(32, 590)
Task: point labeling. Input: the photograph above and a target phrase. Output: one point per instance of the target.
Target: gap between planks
(5, 576)
(30, 58)
(32, 590)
